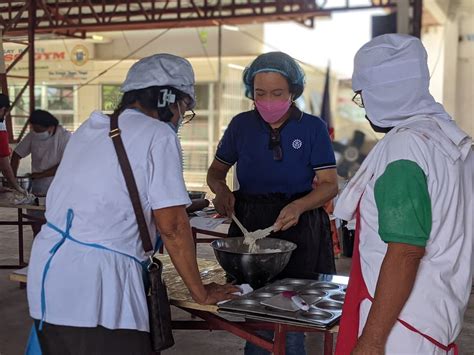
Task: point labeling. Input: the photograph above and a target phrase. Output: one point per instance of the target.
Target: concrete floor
(15, 322)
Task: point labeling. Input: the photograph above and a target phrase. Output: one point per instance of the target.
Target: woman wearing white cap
(411, 269)
(85, 282)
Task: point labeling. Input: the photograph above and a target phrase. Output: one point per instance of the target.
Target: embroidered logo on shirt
(297, 143)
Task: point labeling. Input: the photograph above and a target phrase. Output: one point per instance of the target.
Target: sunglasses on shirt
(357, 99)
(275, 144)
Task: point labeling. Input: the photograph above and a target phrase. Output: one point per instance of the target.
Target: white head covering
(161, 70)
(392, 72)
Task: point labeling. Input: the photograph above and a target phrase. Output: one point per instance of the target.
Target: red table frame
(246, 330)
(214, 235)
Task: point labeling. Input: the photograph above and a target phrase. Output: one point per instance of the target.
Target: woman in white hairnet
(85, 283)
(412, 197)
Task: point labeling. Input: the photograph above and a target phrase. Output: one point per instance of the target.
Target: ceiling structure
(78, 17)
(21, 21)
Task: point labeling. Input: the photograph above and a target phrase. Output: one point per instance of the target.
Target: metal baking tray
(326, 296)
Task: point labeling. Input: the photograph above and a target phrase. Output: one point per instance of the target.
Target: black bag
(159, 311)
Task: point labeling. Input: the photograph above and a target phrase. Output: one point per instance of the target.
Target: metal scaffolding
(20, 21)
(78, 17)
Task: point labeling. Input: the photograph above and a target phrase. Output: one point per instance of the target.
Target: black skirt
(312, 235)
(65, 340)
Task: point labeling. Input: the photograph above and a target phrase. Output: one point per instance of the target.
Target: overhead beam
(113, 15)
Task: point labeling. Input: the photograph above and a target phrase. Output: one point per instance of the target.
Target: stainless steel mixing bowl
(23, 181)
(256, 269)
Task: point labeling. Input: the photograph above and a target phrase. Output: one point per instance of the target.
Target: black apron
(312, 235)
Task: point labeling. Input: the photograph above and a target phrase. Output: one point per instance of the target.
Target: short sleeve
(64, 140)
(24, 147)
(322, 154)
(403, 204)
(227, 148)
(166, 185)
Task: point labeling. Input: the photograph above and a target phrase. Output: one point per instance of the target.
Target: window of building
(111, 97)
(196, 138)
(59, 100)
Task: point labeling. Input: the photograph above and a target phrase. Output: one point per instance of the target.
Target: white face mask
(41, 136)
(176, 127)
(181, 117)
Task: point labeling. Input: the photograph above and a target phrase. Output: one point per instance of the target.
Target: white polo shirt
(86, 286)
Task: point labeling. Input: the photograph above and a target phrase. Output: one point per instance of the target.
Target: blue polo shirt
(305, 144)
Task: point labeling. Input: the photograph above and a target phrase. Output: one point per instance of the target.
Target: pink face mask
(272, 111)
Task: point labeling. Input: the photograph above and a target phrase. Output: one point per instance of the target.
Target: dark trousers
(65, 340)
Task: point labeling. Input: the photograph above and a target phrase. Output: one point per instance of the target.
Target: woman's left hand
(289, 217)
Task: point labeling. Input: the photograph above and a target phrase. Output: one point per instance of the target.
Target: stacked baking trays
(326, 297)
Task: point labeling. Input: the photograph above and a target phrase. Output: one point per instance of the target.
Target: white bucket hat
(161, 70)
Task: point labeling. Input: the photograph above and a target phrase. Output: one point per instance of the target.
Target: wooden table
(23, 219)
(211, 319)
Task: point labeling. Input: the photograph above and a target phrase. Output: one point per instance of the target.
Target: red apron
(356, 293)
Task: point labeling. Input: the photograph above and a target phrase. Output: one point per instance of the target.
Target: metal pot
(256, 269)
(197, 195)
(23, 181)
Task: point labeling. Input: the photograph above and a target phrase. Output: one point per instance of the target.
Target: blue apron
(33, 346)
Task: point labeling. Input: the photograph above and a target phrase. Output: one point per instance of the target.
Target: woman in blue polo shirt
(279, 151)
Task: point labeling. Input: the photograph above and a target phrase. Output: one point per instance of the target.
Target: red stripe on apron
(356, 293)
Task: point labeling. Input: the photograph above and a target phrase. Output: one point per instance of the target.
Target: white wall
(334, 39)
(186, 42)
(465, 71)
(433, 40)
(450, 48)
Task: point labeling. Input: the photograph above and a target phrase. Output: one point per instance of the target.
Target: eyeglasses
(275, 144)
(188, 116)
(357, 99)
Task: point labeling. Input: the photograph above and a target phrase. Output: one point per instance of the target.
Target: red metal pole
(238, 329)
(4, 87)
(17, 59)
(31, 54)
(328, 343)
(279, 346)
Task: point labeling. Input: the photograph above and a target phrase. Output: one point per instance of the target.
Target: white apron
(440, 294)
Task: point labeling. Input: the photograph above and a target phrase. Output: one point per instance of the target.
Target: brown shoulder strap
(130, 182)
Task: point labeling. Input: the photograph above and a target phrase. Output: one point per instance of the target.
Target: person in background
(279, 150)
(46, 143)
(411, 274)
(85, 277)
(5, 167)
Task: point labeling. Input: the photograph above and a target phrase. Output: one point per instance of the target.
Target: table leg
(20, 237)
(328, 343)
(279, 345)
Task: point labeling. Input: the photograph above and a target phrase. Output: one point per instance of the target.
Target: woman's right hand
(224, 203)
(217, 293)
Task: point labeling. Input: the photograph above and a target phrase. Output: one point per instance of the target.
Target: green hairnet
(277, 62)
